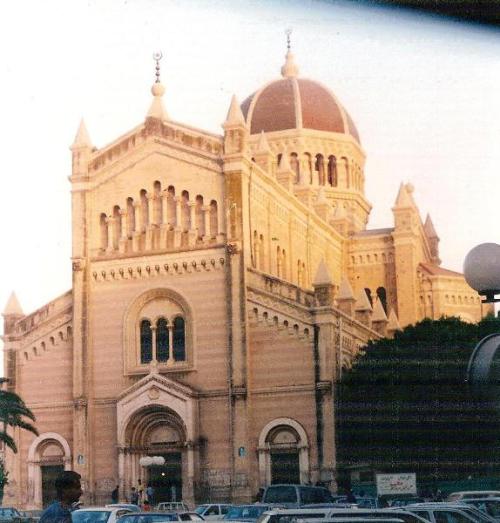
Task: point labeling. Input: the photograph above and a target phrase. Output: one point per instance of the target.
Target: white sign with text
(390, 484)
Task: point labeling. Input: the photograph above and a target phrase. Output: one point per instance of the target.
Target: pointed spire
(284, 165)
(289, 69)
(345, 290)
(378, 312)
(82, 138)
(404, 198)
(13, 306)
(362, 301)
(429, 228)
(263, 144)
(322, 275)
(156, 109)
(234, 115)
(393, 324)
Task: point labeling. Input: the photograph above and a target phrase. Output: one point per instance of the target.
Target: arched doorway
(155, 431)
(283, 453)
(283, 443)
(48, 456)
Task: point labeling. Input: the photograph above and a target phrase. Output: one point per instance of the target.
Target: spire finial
(157, 57)
(157, 110)
(288, 33)
(289, 69)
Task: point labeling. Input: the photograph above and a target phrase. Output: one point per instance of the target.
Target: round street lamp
(482, 270)
(482, 273)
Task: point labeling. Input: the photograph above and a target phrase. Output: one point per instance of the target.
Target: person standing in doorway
(134, 496)
(115, 495)
(68, 491)
(150, 494)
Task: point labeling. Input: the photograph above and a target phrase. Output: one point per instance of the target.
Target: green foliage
(4, 475)
(13, 412)
(406, 406)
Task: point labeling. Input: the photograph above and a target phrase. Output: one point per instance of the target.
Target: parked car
(160, 517)
(31, 515)
(295, 496)
(12, 515)
(172, 505)
(402, 502)
(490, 505)
(449, 513)
(471, 494)
(245, 512)
(212, 511)
(331, 513)
(98, 514)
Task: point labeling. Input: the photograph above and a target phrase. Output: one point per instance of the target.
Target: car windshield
(200, 509)
(90, 516)
(491, 507)
(245, 512)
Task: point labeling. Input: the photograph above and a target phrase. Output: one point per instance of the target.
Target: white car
(212, 511)
(177, 506)
(98, 514)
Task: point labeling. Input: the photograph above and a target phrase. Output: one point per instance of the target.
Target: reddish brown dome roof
(293, 103)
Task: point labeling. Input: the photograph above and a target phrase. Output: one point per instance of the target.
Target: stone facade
(220, 284)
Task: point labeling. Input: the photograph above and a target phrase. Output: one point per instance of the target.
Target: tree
(405, 404)
(13, 413)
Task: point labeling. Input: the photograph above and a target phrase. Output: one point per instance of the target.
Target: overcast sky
(424, 94)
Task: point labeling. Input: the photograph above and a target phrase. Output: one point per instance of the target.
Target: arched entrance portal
(49, 454)
(155, 431)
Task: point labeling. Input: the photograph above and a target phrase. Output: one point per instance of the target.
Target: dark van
(295, 496)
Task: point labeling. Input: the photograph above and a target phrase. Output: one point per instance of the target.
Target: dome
(296, 103)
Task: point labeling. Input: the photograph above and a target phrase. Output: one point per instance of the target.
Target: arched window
(308, 165)
(162, 345)
(179, 339)
(157, 210)
(261, 253)
(144, 210)
(117, 226)
(382, 296)
(146, 342)
(186, 218)
(214, 226)
(294, 164)
(103, 223)
(171, 206)
(200, 223)
(320, 168)
(130, 217)
(369, 294)
(332, 171)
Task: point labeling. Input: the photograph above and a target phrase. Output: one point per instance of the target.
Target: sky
(424, 94)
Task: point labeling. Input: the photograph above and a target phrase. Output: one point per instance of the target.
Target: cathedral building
(220, 285)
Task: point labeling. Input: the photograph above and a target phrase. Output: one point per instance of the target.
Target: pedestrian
(115, 495)
(134, 496)
(150, 493)
(146, 507)
(140, 490)
(68, 491)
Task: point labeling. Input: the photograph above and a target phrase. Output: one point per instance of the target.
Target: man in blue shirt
(68, 492)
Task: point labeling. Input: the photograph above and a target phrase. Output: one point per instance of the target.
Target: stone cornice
(171, 264)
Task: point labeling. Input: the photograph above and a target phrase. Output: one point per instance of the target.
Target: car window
(128, 519)
(444, 516)
(200, 509)
(184, 517)
(90, 516)
(423, 514)
(213, 510)
(281, 494)
(224, 509)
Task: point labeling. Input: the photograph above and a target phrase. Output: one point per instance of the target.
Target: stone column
(188, 490)
(178, 224)
(121, 468)
(170, 360)
(221, 230)
(122, 246)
